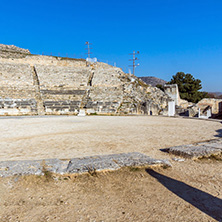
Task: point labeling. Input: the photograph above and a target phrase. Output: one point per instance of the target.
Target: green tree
(160, 87)
(188, 87)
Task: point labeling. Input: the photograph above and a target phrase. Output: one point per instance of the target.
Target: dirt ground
(189, 191)
(69, 137)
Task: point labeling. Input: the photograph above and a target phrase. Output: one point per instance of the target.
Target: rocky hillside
(34, 84)
(153, 81)
(11, 51)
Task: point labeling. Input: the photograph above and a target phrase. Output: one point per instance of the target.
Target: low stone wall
(18, 107)
(62, 107)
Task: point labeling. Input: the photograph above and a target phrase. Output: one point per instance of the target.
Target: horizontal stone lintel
(58, 107)
(62, 107)
(57, 103)
(63, 92)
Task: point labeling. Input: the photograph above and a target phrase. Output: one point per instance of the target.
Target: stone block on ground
(78, 165)
(112, 162)
(32, 167)
(214, 144)
(200, 150)
(82, 113)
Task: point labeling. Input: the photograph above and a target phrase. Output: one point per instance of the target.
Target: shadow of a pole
(205, 202)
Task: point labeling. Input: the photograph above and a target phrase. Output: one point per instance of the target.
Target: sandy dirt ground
(189, 191)
(68, 137)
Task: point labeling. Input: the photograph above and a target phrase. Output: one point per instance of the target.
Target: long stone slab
(214, 144)
(32, 167)
(112, 162)
(78, 165)
(63, 92)
(200, 150)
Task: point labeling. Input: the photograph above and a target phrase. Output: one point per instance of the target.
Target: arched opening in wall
(144, 108)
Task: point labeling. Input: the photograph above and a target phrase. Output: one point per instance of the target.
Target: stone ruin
(11, 51)
(176, 105)
(45, 85)
(206, 108)
(215, 106)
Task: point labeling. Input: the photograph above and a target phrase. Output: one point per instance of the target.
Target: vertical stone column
(171, 108)
(173, 92)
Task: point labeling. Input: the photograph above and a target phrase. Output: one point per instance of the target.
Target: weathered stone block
(112, 162)
(195, 151)
(78, 165)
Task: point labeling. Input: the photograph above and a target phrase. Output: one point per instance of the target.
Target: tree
(188, 87)
(160, 87)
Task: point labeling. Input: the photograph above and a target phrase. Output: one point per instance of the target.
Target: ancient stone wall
(215, 104)
(18, 107)
(36, 84)
(173, 92)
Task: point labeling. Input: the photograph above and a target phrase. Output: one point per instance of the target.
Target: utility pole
(88, 48)
(134, 60)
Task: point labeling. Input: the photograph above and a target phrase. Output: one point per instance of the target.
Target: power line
(134, 61)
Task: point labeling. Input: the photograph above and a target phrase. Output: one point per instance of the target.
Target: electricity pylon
(134, 60)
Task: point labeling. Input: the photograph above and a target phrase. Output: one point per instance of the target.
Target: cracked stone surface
(199, 150)
(78, 165)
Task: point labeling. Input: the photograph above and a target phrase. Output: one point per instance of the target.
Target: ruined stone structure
(202, 109)
(173, 92)
(38, 85)
(214, 104)
(181, 106)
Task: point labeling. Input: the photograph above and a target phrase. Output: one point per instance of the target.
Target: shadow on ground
(219, 133)
(205, 202)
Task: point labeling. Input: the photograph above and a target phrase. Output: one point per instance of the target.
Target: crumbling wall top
(12, 51)
(173, 92)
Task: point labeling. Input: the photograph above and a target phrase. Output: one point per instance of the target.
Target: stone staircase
(38, 96)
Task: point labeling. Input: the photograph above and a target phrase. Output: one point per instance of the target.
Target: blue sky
(171, 35)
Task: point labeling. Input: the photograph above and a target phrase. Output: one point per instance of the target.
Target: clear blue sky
(171, 35)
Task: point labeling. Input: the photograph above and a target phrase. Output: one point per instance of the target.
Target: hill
(216, 95)
(153, 81)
